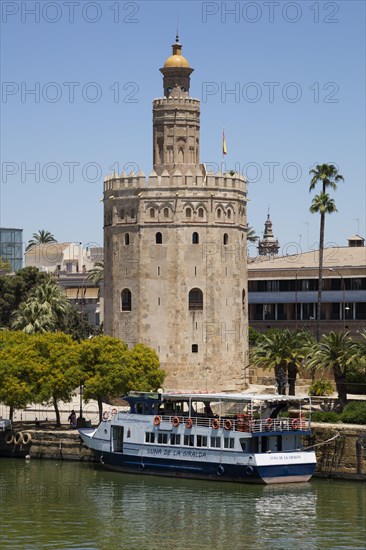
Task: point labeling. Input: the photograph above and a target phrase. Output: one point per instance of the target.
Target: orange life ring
(114, 411)
(228, 425)
(175, 422)
(157, 420)
(105, 415)
(295, 424)
(215, 424)
(189, 423)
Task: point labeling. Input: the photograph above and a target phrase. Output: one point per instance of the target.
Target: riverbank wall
(342, 458)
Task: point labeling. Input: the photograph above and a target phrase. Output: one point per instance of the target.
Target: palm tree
(252, 237)
(96, 274)
(43, 311)
(327, 175)
(30, 317)
(298, 344)
(283, 351)
(335, 353)
(42, 237)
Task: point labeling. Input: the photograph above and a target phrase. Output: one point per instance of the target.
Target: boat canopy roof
(238, 397)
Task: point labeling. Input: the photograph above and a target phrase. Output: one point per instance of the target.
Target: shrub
(323, 416)
(354, 413)
(321, 387)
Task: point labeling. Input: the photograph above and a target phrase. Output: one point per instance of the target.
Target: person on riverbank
(72, 419)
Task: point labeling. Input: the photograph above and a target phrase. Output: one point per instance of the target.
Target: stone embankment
(60, 444)
(342, 458)
(345, 456)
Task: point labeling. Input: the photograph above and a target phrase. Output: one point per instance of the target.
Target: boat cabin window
(201, 440)
(149, 437)
(142, 408)
(175, 439)
(189, 440)
(229, 442)
(163, 438)
(174, 408)
(216, 442)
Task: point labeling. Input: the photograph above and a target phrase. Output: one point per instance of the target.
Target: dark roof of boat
(200, 396)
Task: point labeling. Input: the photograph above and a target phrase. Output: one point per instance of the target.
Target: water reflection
(73, 505)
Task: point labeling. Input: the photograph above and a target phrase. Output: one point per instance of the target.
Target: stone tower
(175, 251)
(268, 246)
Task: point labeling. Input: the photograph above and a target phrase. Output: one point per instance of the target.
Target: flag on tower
(224, 149)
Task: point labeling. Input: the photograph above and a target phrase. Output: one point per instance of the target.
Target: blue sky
(296, 68)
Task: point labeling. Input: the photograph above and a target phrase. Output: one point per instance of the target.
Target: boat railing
(246, 424)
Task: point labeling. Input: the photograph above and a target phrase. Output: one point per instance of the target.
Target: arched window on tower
(195, 299)
(229, 214)
(226, 239)
(152, 212)
(133, 213)
(219, 213)
(166, 212)
(188, 212)
(195, 238)
(127, 238)
(243, 299)
(126, 299)
(159, 238)
(200, 213)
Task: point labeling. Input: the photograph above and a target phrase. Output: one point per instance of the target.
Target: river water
(62, 505)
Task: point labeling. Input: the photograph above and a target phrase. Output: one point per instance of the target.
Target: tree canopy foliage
(49, 367)
(15, 289)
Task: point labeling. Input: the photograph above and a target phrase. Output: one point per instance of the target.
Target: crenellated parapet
(167, 101)
(176, 180)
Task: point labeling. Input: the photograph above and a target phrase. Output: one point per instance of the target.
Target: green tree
(15, 289)
(96, 274)
(60, 372)
(19, 365)
(30, 317)
(44, 309)
(42, 237)
(111, 369)
(103, 360)
(298, 344)
(5, 266)
(252, 237)
(334, 353)
(146, 374)
(284, 352)
(271, 353)
(327, 175)
(77, 326)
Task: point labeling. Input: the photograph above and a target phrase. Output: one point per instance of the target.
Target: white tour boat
(230, 437)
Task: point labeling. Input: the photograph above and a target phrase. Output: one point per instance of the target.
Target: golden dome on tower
(177, 59)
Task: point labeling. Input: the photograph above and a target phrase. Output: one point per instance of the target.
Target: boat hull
(285, 473)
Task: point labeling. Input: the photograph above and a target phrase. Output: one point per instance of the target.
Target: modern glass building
(11, 247)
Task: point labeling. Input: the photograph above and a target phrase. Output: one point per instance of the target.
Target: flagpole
(224, 150)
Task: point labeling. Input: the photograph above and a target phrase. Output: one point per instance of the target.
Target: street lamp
(344, 296)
